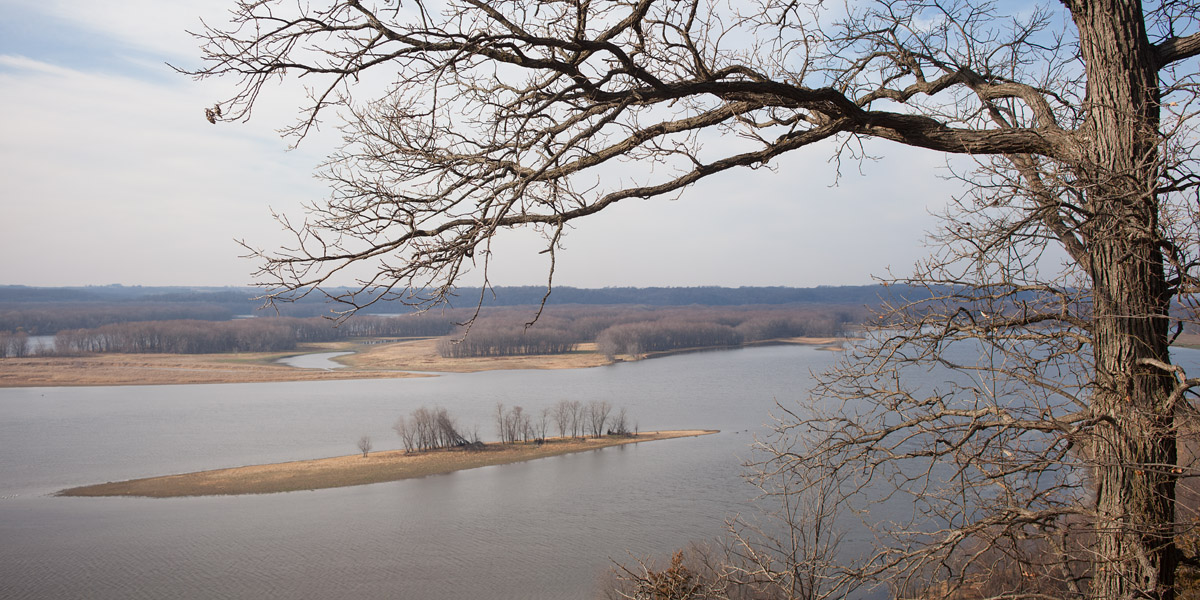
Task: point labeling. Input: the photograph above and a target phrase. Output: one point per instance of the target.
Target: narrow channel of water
(315, 360)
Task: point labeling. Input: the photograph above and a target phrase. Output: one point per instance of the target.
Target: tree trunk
(1134, 449)
(1134, 446)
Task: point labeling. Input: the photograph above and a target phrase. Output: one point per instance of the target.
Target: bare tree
(429, 429)
(447, 430)
(620, 423)
(597, 416)
(577, 417)
(678, 581)
(519, 424)
(14, 345)
(423, 424)
(408, 435)
(364, 445)
(1079, 233)
(502, 424)
(562, 417)
(513, 424)
(543, 423)
(795, 550)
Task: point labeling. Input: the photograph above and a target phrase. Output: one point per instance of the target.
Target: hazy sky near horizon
(109, 173)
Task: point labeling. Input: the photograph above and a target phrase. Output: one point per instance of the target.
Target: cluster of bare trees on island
(432, 429)
(570, 418)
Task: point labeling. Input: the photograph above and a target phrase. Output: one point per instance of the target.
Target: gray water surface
(546, 529)
(543, 529)
(314, 360)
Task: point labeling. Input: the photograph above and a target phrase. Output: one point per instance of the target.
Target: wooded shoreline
(408, 358)
(344, 471)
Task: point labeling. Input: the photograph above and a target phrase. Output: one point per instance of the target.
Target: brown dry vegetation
(382, 361)
(162, 369)
(350, 470)
(406, 358)
(422, 355)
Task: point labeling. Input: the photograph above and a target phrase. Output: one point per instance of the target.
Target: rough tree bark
(1135, 446)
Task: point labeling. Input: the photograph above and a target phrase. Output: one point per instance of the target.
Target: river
(547, 529)
(544, 529)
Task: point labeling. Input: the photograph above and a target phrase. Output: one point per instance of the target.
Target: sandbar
(342, 471)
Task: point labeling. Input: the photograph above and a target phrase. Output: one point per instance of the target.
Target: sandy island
(401, 358)
(344, 471)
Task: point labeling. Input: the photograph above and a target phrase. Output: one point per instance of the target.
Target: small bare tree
(406, 433)
(620, 423)
(364, 445)
(502, 424)
(543, 423)
(677, 581)
(577, 417)
(794, 549)
(562, 417)
(597, 416)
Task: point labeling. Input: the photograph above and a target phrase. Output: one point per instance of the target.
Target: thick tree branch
(1176, 49)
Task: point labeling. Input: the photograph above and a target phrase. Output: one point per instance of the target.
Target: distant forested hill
(46, 310)
(680, 296)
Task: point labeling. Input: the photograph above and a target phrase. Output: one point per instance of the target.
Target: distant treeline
(658, 336)
(495, 296)
(186, 320)
(182, 337)
(45, 311)
(264, 334)
(637, 330)
(507, 341)
(500, 332)
(50, 319)
(679, 296)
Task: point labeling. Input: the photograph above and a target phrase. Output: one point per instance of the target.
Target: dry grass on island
(356, 469)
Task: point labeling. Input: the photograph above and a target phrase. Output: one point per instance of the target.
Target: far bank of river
(408, 358)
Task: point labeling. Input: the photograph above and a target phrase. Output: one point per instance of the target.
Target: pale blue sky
(110, 174)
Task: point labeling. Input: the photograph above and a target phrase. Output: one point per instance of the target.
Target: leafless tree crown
(463, 118)
(1059, 283)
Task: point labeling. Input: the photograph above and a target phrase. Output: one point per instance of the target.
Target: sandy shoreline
(351, 470)
(406, 358)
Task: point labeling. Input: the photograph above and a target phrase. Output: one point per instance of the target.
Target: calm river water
(544, 529)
